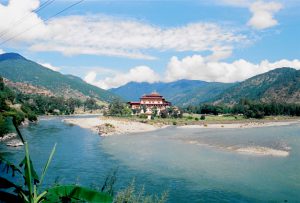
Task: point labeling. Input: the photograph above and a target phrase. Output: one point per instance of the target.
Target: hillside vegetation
(281, 85)
(16, 68)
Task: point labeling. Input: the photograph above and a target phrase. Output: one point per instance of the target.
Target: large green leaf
(73, 193)
(47, 165)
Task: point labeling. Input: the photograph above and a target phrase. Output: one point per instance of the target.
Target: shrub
(143, 116)
(18, 116)
(109, 125)
(196, 119)
(131, 195)
(174, 123)
(4, 129)
(202, 117)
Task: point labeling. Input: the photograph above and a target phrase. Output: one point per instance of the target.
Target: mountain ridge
(181, 92)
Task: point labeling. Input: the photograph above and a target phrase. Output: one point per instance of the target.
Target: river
(193, 165)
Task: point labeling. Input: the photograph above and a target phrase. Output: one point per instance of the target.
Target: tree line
(248, 108)
(19, 106)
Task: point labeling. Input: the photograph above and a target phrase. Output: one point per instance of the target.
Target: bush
(18, 116)
(4, 129)
(174, 123)
(143, 116)
(132, 195)
(164, 114)
(202, 117)
(190, 117)
(196, 119)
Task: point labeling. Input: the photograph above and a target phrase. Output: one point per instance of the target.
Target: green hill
(279, 85)
(16, 68)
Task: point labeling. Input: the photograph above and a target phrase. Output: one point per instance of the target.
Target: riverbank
(113, 125)
(249, 124)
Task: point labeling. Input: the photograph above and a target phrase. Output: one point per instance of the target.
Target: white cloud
(109, 36)
(262, 11)
(137, 74)
(102, 35)
(194, 67)
(90, 77)
(2, 51)
(17, 16)
(48, 65)
(263, 14)
(197, 67)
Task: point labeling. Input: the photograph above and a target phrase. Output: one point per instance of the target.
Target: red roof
(153, 95)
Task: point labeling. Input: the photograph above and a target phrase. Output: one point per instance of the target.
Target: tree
(118, 108)
(1, 84)
(164, 114)
(91, 104)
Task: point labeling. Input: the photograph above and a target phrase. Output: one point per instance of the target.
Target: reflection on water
(169, 159)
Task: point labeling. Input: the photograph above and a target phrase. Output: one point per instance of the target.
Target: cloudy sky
(109, 43)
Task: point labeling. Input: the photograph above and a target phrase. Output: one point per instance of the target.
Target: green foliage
(130, 195)
(90, 104)
(164, 114)
(202, 117)
(5, 95)
(143, 116)
(118, 108)
(29, 192)
(18, 116)
(41, 105)
(73, 193)
(248, 108)
(4, 126)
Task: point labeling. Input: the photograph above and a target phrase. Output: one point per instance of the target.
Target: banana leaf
(73, 193)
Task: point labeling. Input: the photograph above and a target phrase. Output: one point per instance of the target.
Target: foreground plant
(30, 190)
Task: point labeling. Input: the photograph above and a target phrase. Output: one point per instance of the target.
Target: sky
(111, 43)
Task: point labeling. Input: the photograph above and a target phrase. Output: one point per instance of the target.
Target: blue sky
(110, 43)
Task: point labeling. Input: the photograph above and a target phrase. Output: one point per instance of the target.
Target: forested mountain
(16, 68)
(181, 93)
(281, 85)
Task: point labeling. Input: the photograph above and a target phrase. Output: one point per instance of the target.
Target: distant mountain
(181, 93)
(16, 68)
(279, 85)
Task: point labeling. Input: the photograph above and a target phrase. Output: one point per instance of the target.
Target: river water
(193, 165)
